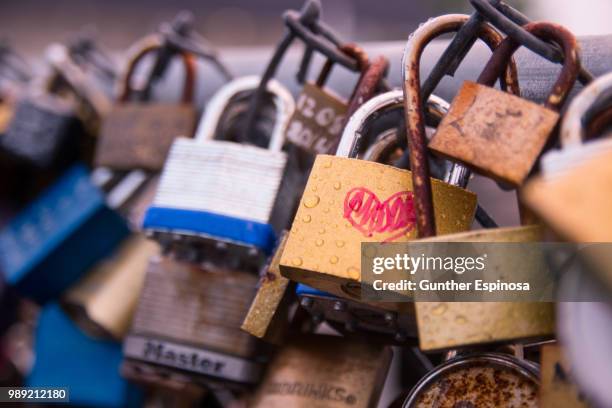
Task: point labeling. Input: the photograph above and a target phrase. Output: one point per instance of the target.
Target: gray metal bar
(536, 75)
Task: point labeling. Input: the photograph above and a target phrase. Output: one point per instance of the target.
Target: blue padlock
(59, 236)
(351, 316)
(88, 367)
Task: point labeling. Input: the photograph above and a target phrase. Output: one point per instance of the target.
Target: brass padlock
(557, 388)
(502, 135)
(139, 135)
(268, 315)
(188, 320)
(415, 115)
(324, 371)
(444, 325)
(478, 380)
(103, 302)
(571, 195)
(349, 201)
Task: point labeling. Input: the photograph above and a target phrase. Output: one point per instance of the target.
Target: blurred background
(31, 24)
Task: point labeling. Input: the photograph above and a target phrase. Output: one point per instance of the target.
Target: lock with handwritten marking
(330, 371)
(195, 198)
(59, 236)
(348, 201)
(319, 118)
(139, 135)
(502, 135)
(188, 320)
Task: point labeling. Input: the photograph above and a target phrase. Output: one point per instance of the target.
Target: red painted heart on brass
(394, 217)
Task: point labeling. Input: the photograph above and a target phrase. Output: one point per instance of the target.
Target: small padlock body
(349, 201)
(449, 325)
(222, 190)
(66, 357)
(138, 136)
(317, 123)
(376, 323)
(324, 371)
(496, 133)
(187, 312)
(44, 133)
(59, 236)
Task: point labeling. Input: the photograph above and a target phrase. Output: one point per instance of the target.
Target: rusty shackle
(549, 32)
(413, 107)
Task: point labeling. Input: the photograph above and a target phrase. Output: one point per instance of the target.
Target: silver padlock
(223, 191)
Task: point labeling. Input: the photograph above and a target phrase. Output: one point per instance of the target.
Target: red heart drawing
(364, 210)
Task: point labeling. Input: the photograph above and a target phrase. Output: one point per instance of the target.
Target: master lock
(348, 201)
(139, 135)
(88, 368)
(195, 197)
(478, 380)
(319, 118)
(415, 113)
(188, 320)
(324, 371)
(572, 195)
(502, 135)
(59, 236)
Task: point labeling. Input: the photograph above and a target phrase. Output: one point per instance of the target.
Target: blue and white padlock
(220, 190)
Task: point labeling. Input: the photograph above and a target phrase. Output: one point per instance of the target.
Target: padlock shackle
(573, 130)
(352, 50)
(283, 100)
(415, 118)
(351, 145)
(549, 32)
(139, 51)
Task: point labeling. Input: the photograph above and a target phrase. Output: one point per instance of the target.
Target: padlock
(188, 320)
(139, 135)
(557, 388)
(571, 194)
(87, 368)
(324, 371)
(44, 132)
(478, 380)
(59, 236)
(350, 316)
(103, 302)
(348, 201)
(235, 197)
(268, 315)
(502, 135)
(320, 115)
(447, 325)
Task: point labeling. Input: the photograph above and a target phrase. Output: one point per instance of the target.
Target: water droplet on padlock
(340, 243)
(326, 211)
(331, 202)
(460, 319)
(439, 309)
(327, 164)
(322, 231)
(306, 219)
(311, 201)
(333, 259)
(314, 188)
(319, 242)
(297, 261)
(352, 272)
(337, 185)
(443, 216)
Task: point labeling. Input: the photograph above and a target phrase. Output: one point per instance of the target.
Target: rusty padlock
(571, 195)
(320, 116)
(188, 320)
(415, 117)
(324, 371)
(139, 135)
(341, 208)
(502, 135)
(478, 380)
